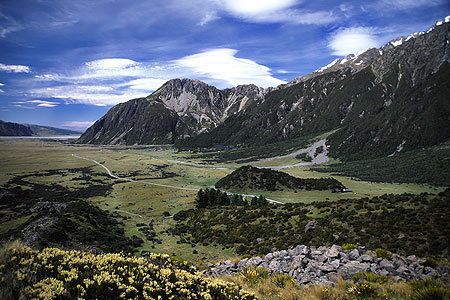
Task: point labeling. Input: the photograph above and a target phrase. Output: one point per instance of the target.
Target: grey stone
(333, 252)
(387, 265)
(311, 226)
(366, 258)
(327, 268)
(353, 255)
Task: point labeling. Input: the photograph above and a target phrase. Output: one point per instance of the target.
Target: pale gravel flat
(321, 158)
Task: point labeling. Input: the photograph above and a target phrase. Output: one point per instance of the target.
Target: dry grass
(267, 289)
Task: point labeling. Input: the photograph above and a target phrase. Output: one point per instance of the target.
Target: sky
(65, 63)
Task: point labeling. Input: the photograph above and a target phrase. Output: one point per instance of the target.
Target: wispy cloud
(209, 17)
(35, 103)
(346, 41)
(77, 124)
(8, 25)
(15, 68)
(42, 103)
(223, 65)
(406, 4)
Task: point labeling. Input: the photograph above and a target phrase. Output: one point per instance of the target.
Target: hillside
(15, 129)
(406, 224)
(252, 178)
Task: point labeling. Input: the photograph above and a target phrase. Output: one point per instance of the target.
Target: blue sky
(64, 63)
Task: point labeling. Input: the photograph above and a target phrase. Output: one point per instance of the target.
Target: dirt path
(132, 180)
(158, 184)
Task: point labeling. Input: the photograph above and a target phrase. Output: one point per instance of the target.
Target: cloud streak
(15, 68)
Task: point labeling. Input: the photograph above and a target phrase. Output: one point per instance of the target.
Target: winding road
(158, 184)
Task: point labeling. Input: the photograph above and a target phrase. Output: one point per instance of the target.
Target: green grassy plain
(142, 200)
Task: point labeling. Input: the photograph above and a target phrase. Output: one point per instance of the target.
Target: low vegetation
(57, 274)
(252, 178)
(431, 165)
(362, 286)
(405, 224)
(53, 215)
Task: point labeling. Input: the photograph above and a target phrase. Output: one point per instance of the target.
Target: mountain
(15, 129)
(180, 109)
(383, 101)
(39, 130)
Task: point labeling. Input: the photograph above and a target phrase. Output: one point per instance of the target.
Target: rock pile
(310, 265)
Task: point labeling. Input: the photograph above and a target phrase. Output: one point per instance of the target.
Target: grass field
(142, 202)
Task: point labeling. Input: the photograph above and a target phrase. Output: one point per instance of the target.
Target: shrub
(349, 246)
(382, 253)
(57, 274)
(432, 293)
(363, 290)
(282, 280)
(371, 277)
(252, 275)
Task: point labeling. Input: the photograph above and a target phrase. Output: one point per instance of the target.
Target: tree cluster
(213, 197)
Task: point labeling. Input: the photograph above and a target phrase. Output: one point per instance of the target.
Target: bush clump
(58, 274)
(382, 253)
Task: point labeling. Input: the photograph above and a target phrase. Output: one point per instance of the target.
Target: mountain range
(16, 129)
(380, 102)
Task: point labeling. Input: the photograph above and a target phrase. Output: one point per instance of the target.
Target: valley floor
(151, 184)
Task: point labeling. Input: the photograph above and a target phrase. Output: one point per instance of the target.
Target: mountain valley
(333, 186)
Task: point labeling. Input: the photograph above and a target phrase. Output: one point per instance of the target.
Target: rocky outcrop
(310, 265)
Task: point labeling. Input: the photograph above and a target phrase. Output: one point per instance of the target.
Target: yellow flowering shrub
(60, 274)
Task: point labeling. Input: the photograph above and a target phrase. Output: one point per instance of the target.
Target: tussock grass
(362, 286)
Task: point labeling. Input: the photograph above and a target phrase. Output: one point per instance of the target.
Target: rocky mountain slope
(180, 109)
(383, 101)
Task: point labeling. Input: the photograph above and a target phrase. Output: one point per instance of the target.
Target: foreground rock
(310, 265)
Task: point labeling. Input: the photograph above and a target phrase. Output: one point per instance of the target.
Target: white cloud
(111, 81)
(42, 103)
(352, 40)
(273, 11)
(250, 8)
(222, 64)
(15, 68)
(1, 84)
(209, 17)
(77, 124)
(145, 84)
